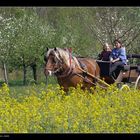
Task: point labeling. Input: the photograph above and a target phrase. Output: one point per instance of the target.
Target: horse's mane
(64, 54)
(60, 54)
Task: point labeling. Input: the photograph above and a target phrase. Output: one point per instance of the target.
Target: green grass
(15, 78)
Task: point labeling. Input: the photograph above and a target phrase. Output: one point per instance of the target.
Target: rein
(66, 73)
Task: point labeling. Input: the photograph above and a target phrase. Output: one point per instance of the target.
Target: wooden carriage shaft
(89, 81)
(94, 77)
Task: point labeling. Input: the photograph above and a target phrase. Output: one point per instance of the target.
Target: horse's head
(56, 60)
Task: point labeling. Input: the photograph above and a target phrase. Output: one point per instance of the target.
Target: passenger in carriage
(104, 55)
(118, 58)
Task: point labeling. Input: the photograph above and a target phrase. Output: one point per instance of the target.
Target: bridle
(50, 71)
(59, 71)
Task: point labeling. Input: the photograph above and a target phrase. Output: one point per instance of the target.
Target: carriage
(71, 70)
(128, 75)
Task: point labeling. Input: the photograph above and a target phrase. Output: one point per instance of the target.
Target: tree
(115, 23)
(8, 25)
(69, 29)
(30, 42)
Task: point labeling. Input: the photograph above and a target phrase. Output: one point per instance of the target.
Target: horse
(70, 70)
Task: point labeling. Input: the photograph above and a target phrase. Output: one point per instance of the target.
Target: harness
(82, 65)
(69, 70)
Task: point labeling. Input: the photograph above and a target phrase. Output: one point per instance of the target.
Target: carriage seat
(138, 68)
(126, 68)
(131, 67)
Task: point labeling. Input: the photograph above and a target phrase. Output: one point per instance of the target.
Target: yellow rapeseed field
(48, 109)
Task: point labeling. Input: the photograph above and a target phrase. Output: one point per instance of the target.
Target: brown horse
(71, 70)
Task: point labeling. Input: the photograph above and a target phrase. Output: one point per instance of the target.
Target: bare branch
(94, 32)
(127, 31)
(133, 39)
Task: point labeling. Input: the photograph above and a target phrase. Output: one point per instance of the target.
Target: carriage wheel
(137, 84)
(126, 87)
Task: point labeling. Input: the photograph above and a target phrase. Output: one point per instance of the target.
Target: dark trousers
(116, 67)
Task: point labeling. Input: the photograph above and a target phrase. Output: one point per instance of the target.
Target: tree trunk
(34, 68)
(46, 80)
(5, 73)
(24, 74)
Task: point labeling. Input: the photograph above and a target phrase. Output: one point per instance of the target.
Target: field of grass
(48, 109)
(15, 78)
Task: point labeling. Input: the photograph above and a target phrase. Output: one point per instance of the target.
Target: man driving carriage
(117, 58)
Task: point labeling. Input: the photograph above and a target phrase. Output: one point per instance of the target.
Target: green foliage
(27, 32)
